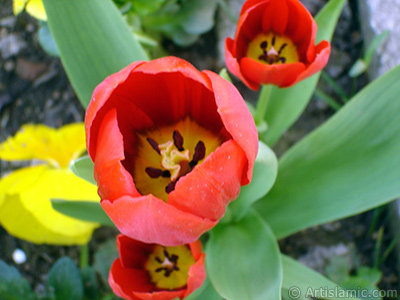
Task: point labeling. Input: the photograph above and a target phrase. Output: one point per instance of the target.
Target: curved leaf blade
(88, 211)
(83, 168)
(345, 167)
(243, 260)
(94, 41)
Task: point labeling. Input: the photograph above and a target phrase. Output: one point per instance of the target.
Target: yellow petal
(56, 146)
(26, 210)
(18, 6)
(36, 9)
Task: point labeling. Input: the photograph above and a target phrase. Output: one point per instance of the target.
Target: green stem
(84, 258)
(262, 103)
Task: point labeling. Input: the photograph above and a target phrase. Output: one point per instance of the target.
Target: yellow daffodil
(34, 7)
(25, 206)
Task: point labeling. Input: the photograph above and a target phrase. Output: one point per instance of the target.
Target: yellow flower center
(165, 155)
(168, 267)
(272, 49)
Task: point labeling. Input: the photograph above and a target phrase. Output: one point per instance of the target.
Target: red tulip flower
(171, 148)
(274, 44)
(151, 271)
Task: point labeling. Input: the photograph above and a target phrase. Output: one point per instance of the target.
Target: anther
(281, 48)
(199, 153)
(153, 172)
(178, 140)
(264, 45)
(170, 187)
(153, 144)
(273, 41)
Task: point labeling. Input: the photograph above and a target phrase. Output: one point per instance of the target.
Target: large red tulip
(171, 148)
(154, 272)
(275, 44)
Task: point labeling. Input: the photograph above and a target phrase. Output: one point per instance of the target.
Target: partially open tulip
(275, 44)
(171, 148)
(151, 271)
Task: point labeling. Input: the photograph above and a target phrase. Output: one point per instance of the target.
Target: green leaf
(89, 283)
(345, 167)
(65, 281)
(199, 15)
(94, 41)
(264, 175)
(104, 257)
(46, 40)
(12, 285)
(83, 168)
(243, 260)
(301, 282)
(88, 211)
(286, 105)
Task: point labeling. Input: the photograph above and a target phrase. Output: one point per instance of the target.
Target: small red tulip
(171, 148)
(275, 44)
(154, 272)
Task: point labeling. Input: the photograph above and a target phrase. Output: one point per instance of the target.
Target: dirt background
(35, 89)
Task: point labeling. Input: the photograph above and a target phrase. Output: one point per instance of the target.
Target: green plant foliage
(94, 41)
(64, 281)
(12, 285)
(88, 211)
(46, 39)
(104, 257)
(347, 166)
(243, 260)
(90, 285)
(286, 105)
(83, 168)
(301, 282)
(264, 175)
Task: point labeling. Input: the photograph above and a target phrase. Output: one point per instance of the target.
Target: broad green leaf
(243, 260)
(88, 211)
(83, 168)
(286, 105)
(345, 167)
(65, 281)
(93, 40)
(301, 282)
(12, 285)
(264, 175)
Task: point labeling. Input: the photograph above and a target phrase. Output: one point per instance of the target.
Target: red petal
(112, 178)
(233, 65)
(151, 220)
(276, 17)
(237, 119)
(133, 254)
(282, 75)
(323, 50)
(125, 281)
(208, 189)
(100, 96)
(302, 29)
(197, 275)
(161, 295)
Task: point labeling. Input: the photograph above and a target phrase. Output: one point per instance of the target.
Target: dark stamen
(158, 260)
(166, 174)
(154, 172)
(199, 153)
(281, 48)
(170, 187)
(178, 140)
(273, 41)
(264, 45)
(283, 60)
(153, 144)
